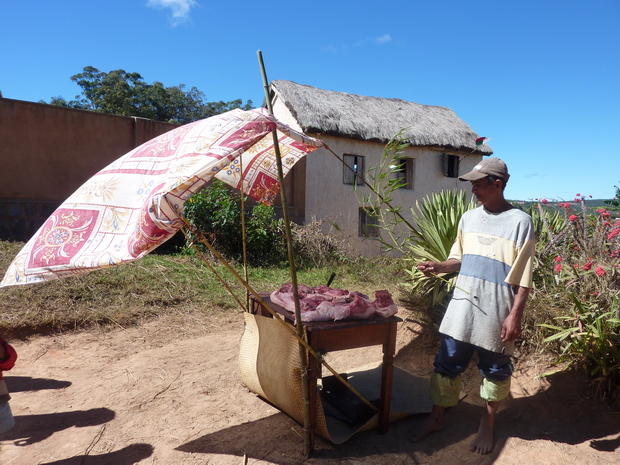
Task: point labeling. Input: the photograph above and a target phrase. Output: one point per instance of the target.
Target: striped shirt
(496, 251)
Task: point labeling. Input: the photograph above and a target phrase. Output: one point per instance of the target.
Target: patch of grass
(158, 285)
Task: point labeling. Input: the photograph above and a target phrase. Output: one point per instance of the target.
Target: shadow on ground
(563, 414)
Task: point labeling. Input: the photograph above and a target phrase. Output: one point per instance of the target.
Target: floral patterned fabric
(135, 204)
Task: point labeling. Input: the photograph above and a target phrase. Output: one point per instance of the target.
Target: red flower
(573, 217)
(578, 195)
(565, 205)
(587, 266)
(544, 201)
(558, 258)
(600, 271)
(613, 233)
(558, 268)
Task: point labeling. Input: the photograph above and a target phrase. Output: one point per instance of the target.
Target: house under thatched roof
(376, 119)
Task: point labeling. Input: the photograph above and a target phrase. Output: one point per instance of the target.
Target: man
(493, 254)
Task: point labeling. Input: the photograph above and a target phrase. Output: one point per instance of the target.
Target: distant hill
(590, 203)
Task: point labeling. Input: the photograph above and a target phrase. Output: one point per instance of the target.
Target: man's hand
(432, 268)
(428, 268)
(511, 329)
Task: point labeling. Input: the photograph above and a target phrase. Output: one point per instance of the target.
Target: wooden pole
(309, 433)
(243, 233)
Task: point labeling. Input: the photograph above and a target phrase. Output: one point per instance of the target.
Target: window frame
(368, 225)
(451, 164)
(348, 169)
(407, 173)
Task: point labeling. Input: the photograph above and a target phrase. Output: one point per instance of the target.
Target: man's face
(485, 190)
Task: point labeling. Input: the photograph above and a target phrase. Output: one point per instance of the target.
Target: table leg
(313, 373)
(387, 372)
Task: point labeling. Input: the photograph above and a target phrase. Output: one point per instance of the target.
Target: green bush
(591, 335)
(428, 237)
(577, 272)
(216, 212)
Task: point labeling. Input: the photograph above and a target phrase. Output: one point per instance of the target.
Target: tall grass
(159, 285)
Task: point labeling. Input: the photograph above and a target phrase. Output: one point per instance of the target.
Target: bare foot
(433, 423)
(483, 442)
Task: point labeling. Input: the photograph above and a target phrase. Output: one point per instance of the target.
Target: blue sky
(541, 79)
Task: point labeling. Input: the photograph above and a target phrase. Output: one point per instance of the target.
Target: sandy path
(168, 392)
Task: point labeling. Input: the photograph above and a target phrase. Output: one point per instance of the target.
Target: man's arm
(511, 329)
(431, 268)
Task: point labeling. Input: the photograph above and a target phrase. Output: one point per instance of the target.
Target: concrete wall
(48, 152)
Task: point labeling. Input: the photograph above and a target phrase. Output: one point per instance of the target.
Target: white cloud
(179, 8)
(382, 40)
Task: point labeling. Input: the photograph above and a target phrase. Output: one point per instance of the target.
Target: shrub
(590, 335)
(314, 248)
(216, 212)
(577, 271)
(265, 237)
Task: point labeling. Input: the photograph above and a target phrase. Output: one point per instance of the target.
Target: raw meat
(385, 305)
(323, 303)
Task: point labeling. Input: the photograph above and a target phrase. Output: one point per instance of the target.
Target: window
(353, 164)
(451, 165)
(368, 223)
(403, 172)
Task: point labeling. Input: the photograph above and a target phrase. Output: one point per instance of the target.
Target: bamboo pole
(243, 234)
(309, 433)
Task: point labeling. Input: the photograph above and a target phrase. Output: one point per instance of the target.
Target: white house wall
(327, 197)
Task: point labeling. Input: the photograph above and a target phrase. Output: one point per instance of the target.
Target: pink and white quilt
(135, 204)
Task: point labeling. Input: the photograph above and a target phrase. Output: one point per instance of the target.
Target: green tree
(127, 94)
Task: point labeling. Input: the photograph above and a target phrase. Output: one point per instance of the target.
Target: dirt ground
(168, 392)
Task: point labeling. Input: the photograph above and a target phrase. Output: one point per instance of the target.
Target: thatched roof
(376, 119)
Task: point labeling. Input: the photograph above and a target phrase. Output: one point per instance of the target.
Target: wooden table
(340, 335)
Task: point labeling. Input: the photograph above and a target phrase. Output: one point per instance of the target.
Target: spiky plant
(436, 220)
